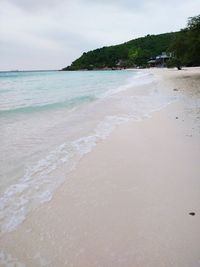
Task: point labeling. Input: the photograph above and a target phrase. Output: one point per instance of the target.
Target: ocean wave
(53, 91)
(140, 78)
(70, 103)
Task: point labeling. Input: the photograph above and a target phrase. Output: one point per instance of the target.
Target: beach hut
(162, 59)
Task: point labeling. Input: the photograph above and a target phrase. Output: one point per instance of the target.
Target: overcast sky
(50, 34)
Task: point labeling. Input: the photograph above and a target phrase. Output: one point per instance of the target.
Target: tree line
(186, 45)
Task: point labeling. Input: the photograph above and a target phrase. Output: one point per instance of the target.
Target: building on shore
(160, 60)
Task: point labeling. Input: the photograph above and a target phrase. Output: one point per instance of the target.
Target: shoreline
(128, 201)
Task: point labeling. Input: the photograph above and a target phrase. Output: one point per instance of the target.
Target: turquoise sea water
(50, 120)
(27, 92)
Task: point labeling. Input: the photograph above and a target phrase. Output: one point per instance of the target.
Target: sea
(50, 119)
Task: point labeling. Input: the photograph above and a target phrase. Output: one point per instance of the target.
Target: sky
(50, 34)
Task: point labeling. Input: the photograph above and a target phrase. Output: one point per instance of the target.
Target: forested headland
(183, 46)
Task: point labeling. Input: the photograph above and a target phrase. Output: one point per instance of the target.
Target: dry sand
(128, 201)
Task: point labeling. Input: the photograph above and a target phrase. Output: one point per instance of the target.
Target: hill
(183, 45)
(130, 54)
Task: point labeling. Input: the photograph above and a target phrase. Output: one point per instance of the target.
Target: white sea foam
(140, 78)
(8, 260)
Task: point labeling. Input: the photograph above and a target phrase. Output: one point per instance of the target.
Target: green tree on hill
(186, 45)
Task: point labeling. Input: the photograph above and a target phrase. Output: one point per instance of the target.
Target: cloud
(49, 34)
(34, 5)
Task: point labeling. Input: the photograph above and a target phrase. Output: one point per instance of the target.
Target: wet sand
(128, 202)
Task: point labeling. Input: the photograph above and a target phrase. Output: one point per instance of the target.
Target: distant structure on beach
(160, 60)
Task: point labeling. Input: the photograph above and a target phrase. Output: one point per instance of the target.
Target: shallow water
(49, 120)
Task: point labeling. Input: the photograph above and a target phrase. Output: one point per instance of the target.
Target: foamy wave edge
(38, 183)
(140, 78)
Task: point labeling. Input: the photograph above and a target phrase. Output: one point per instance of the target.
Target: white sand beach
(127, 203)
